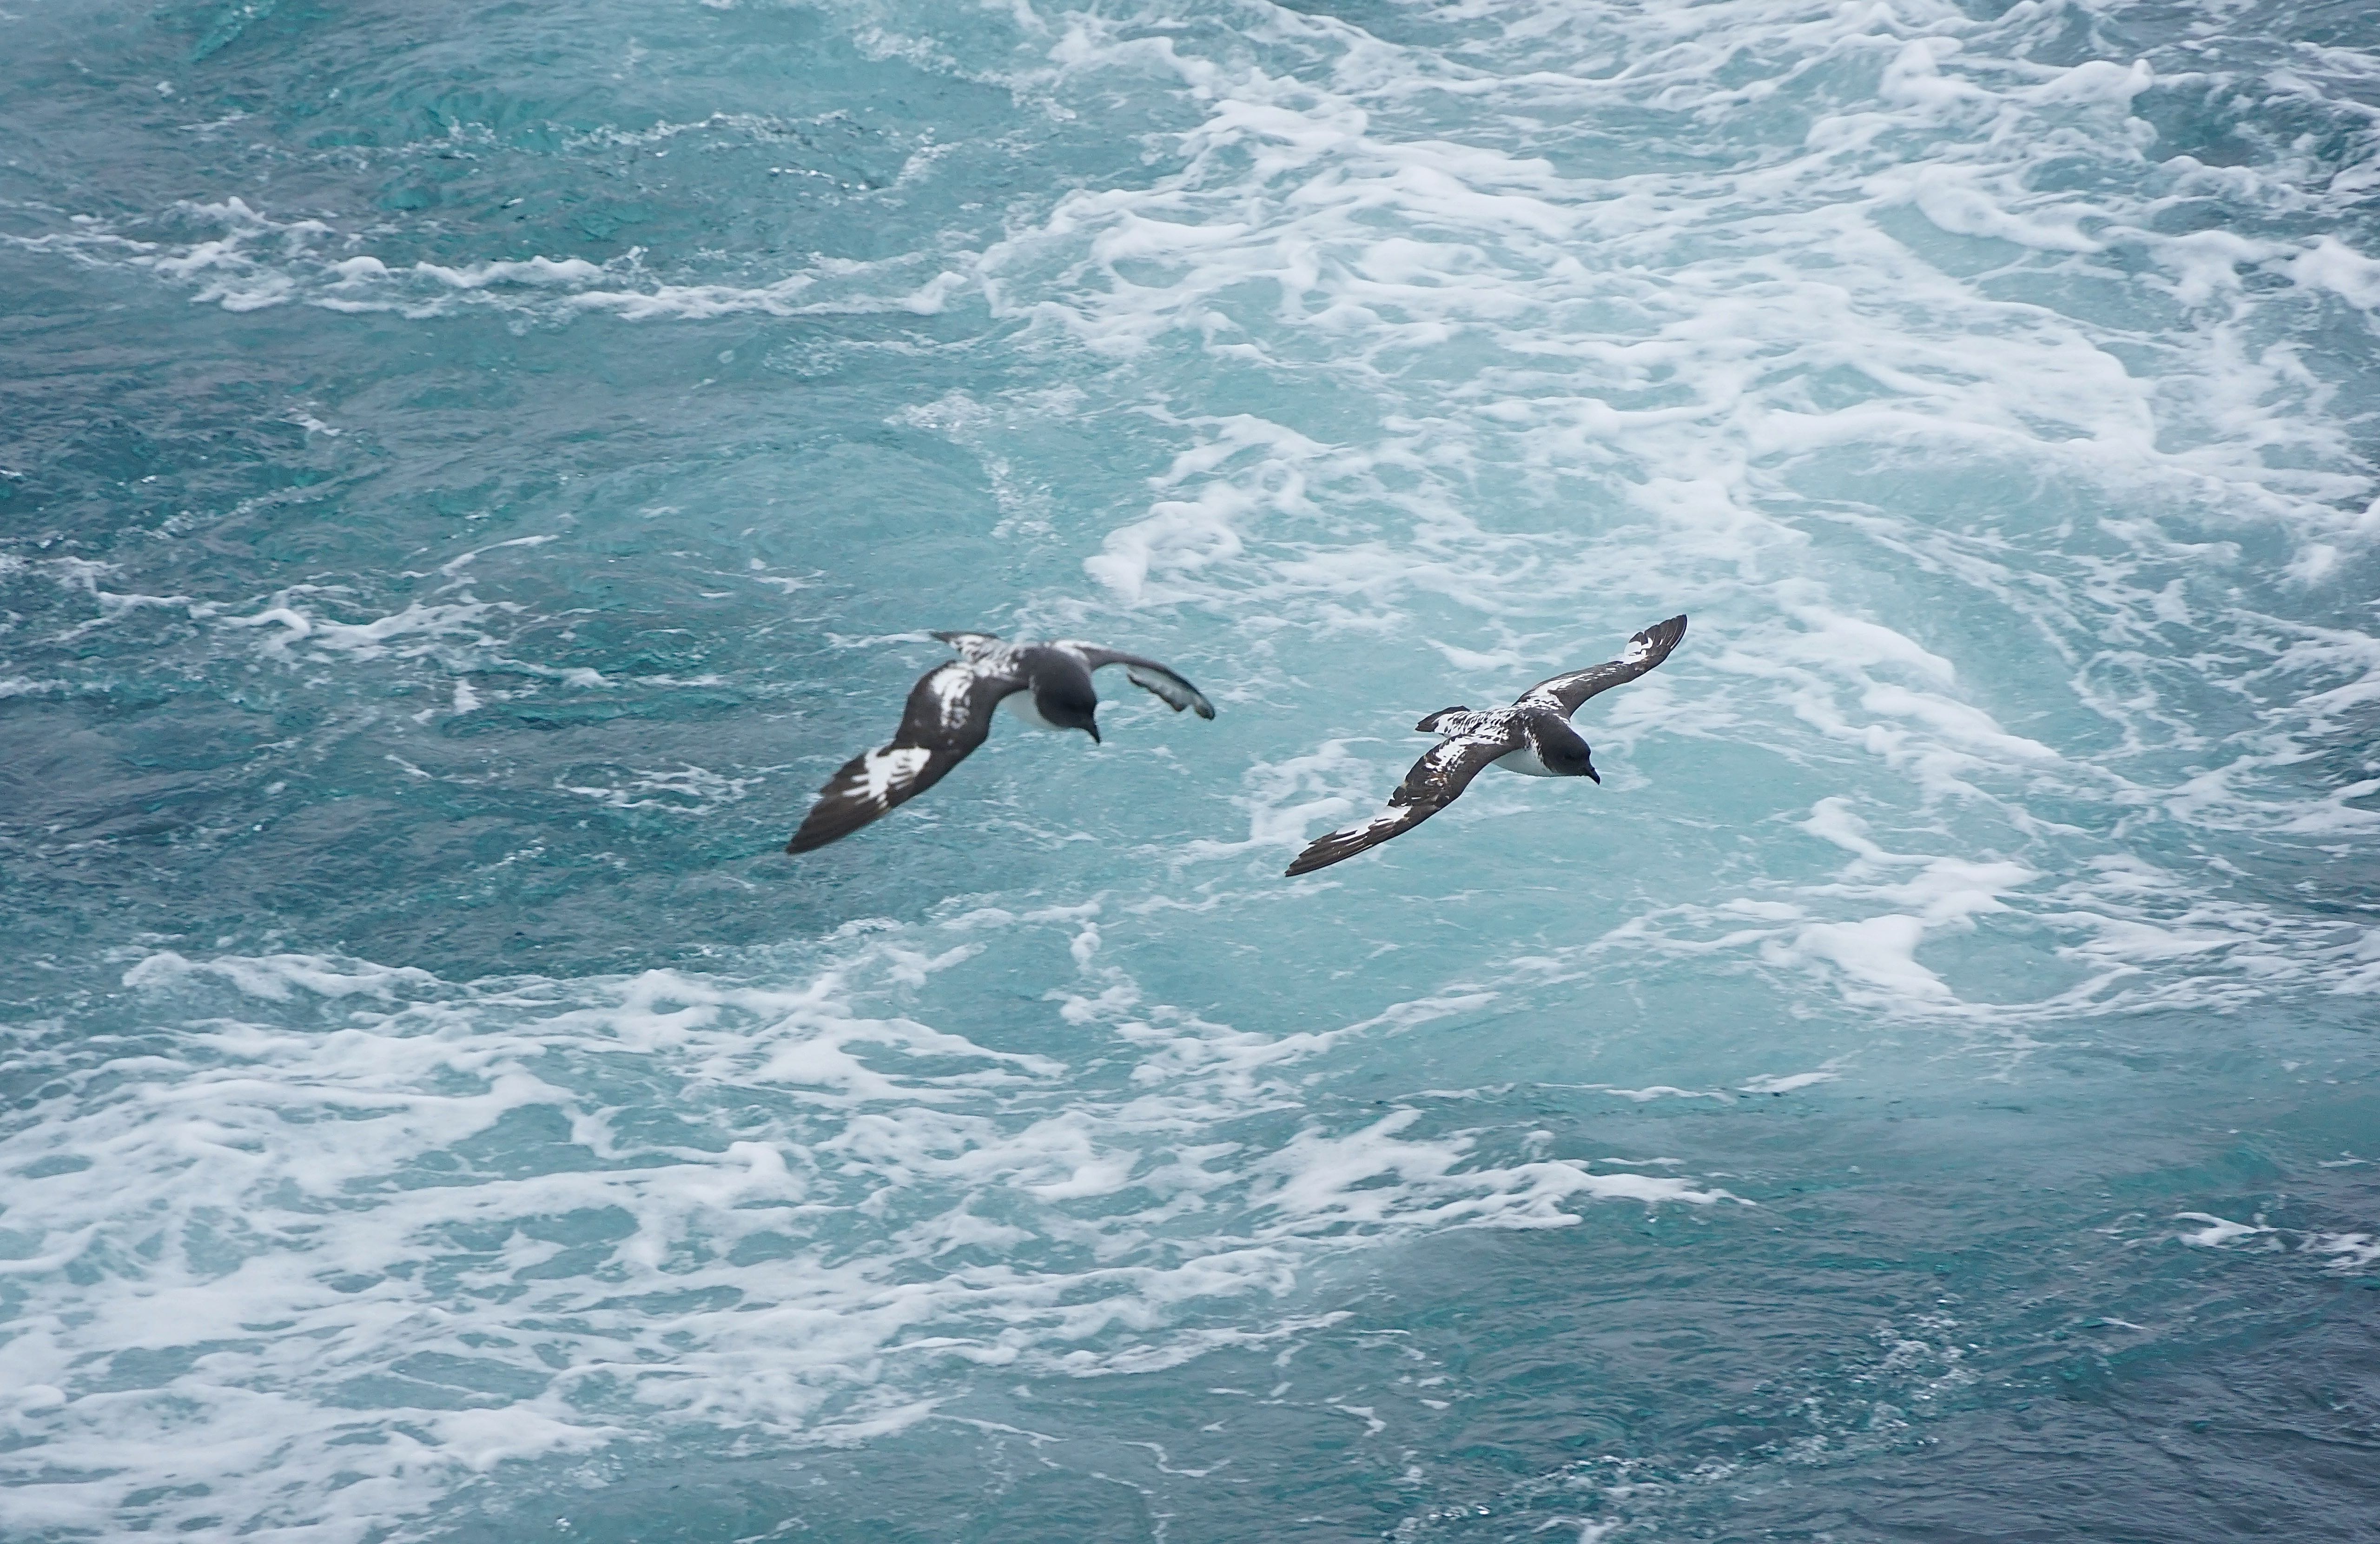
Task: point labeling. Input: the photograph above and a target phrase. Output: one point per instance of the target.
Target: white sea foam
(1785, 1083)
(684, 790)
(1624, 349)
(2342, 1253)
(260, 260)
(367, 1230)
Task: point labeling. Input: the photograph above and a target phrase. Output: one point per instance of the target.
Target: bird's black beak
(1093, 731)
(1593, 773)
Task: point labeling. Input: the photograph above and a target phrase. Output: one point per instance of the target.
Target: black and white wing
(1435, 781)
(949, 714)
(1148, 674)
(974, 647)
(1648, 649)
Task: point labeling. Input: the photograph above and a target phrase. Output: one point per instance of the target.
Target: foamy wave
(371, 1231)
(259, 262)
(1593, 393)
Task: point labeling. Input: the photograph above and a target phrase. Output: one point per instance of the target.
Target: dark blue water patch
(553, 143)
(169, 724)
(201, 475)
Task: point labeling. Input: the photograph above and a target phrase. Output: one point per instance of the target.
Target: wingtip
(1320, 853)
(1659, 639)
(809, 839)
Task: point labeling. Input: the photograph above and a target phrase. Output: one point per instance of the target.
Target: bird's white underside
(1021, 704)
(1524, 762)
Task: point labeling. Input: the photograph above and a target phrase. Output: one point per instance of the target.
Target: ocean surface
(468, 471)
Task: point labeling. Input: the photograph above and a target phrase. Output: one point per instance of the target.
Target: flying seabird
(1047, 684)
(1533, 736)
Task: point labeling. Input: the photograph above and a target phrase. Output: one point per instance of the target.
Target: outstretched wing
(1435, 781)
(949, 714)
(1644, 651)
(1149, 676)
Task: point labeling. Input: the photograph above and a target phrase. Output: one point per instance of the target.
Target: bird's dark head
(1070, 705)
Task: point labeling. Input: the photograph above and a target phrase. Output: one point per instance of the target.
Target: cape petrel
(1533, 736)
(1047, 684)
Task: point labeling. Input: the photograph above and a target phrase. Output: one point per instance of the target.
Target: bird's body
(949, 714)
(1533, 737)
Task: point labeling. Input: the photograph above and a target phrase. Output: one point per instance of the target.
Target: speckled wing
(949, 714)
(1434, 781)
(1166, 683)
(974, 647)
(1648, 649)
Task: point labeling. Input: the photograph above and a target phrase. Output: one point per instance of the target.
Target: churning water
(472, 469)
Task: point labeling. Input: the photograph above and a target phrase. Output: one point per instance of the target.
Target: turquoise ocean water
(469, 472)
